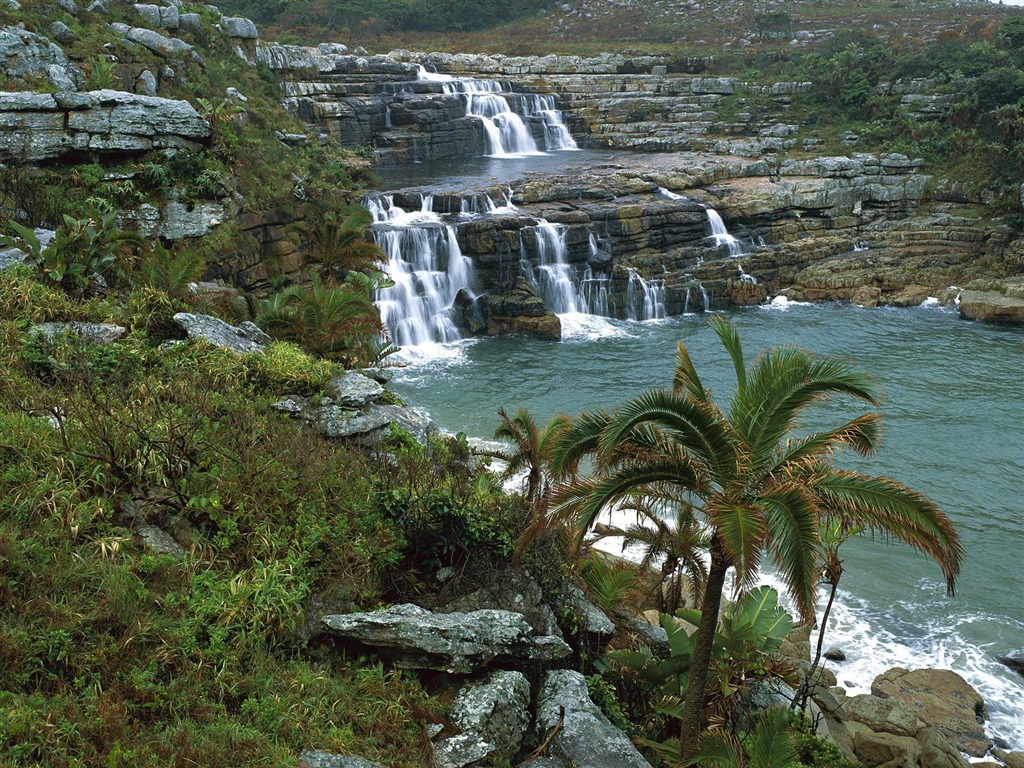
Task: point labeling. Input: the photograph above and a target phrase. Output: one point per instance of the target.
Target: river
(953, 411)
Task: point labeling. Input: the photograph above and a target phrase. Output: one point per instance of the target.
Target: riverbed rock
(941, 699)
(585, 737)
(458, 643)
(245, 338)
(493, 717)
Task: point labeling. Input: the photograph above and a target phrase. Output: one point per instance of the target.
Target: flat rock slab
(586, 739)
(458, 643)
(941, 699)
(992, 307)
(244, 338)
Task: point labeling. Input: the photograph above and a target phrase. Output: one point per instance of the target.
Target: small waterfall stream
(505, 126)
(721, 235)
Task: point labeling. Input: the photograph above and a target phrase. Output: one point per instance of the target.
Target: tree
(530, 452)
(337, 240)
(758, 488)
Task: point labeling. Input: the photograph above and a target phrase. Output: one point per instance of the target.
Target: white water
(505, 128)
(428, 270)
(645, 299)
(721, 235)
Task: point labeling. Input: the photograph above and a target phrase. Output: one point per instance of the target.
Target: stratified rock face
(1001, 302)
(493, 717)
(453, 642)
(244, 338)
(941, 699)
(585, 737)
(24, 54)
(42, 126)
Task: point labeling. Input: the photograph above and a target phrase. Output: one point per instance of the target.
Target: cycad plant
(337, 241)
(757, 486)
(335, 322)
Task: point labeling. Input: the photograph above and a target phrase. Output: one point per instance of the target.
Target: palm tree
(758, 488)
(671, 534)
(529, 452)
(337, 240)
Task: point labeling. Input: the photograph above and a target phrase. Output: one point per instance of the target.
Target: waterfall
(645, 299)
(554, 279)
(705, 301)
(428, 270)
(505, 128)
(721, 235)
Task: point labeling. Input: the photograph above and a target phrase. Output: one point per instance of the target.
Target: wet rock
(493, 717)
(1013, 661)
(1011, 759)
(97, 333)
(835, 653)
(353, 389)
(585, 737)
(458, 643)
(245, 338)
(941, 699)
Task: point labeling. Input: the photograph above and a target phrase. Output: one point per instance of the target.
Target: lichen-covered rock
(355, 390)
(585, 739)
(240, 27)
(42, 126)
(315, 758)
(245, 338)
(24, 54)
(510, 589)
(13, 257)
(157, 43)
(492, 715)
(458, 643)
(415, 422)
(941, 699)
(97, 333)
(593, 622)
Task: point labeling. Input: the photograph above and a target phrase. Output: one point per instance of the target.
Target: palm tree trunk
(693, 706)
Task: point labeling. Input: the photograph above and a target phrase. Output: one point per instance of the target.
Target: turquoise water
(953, 409)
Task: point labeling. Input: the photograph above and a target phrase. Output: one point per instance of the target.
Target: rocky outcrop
(584, 737)
(315, 758)
(29, 57)
(355, 390)
(43, 126)
(994, 301)
(452, 642)
(943, 701)
(246, 338)
(492, 716)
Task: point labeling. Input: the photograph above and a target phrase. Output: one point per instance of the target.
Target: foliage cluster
(112, 653)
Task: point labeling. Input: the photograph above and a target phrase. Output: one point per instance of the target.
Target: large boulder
(459, 643)
(882, 715)
(884, 749)
(510, 589)
(355, 390)
(24, 54)
(492, 715)
(941, 699)
(244, 338)
(585, 738)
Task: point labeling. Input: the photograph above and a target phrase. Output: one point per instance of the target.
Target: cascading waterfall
(554, 279)
(705, 300)
(428, 270)
(645, 299)
(505, 128)
(721, 235)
